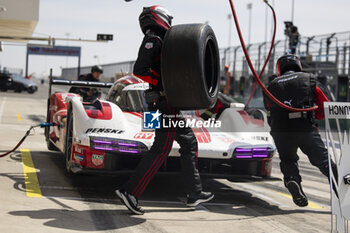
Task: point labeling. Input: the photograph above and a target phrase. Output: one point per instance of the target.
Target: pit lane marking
(18, 116)
(260, 195)
(312, 205)
(2, 106)
(31, 180)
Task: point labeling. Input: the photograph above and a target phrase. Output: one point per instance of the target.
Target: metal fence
(326, 55)
(332, 49)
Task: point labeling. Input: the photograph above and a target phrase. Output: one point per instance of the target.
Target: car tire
(190, 66)
(69, 140)
(50, 144)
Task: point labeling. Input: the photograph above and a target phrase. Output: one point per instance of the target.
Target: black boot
(294, 187)
(195, 199)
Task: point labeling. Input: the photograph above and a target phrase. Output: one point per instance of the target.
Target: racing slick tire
(69, 140)
(190, 66)
(50, 144)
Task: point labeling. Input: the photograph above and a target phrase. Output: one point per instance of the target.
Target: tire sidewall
(68, 141)
(184, 64)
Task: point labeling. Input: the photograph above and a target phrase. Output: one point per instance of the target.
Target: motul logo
(104, 130)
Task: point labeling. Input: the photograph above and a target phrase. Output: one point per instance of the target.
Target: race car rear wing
(71, 83)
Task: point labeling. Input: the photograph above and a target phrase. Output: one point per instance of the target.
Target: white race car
(108, 136)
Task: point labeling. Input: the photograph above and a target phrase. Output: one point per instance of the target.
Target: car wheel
(69, 140)
(190, 66)
(50, 144)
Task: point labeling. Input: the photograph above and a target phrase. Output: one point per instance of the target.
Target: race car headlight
(117, 145)
(248, 153)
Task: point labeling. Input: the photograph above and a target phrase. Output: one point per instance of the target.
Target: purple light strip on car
(103, 148)
(260, 149)
(243, 150)
(127, 144)
(260, 156)
(102, 142)
(244, 156)
(130, 151)
(260, 152)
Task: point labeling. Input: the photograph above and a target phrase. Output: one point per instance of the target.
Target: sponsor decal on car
(143, 136)
(104, 130)
(97, 159)
(226, 139)
(79, 157)
(260, 138)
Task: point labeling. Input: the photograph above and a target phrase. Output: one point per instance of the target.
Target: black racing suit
(88, 94)
(293, 130)
(147, 67)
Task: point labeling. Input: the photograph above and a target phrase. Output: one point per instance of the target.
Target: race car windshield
(133, 101)
(137, 101)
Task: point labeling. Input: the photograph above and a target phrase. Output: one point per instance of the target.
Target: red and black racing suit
(293, 130)
(147, 67)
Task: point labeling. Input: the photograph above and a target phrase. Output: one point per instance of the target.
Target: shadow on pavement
(165, 194)
(82, 220)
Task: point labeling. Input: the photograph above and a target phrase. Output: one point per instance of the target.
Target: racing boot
(130, 202)
(294, 187)
(195, 199)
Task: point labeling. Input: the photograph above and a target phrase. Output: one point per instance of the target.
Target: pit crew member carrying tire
(154, 23)
(293, 130)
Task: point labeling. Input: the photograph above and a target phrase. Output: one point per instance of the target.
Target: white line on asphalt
(2, 105)
(201, 208)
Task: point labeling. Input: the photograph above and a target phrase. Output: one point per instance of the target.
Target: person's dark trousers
(160, 149)
(310, 143)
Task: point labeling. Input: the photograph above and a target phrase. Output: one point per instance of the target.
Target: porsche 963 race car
(109, 136)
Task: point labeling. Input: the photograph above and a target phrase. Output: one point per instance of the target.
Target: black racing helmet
(96, 69)
(288, 62)
(155, 17)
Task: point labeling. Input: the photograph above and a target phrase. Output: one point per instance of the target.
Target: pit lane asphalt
(41, 197)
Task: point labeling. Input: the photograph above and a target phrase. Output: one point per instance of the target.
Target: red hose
(18, 144)
(257, 78)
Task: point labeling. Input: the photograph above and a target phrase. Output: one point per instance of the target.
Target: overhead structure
(18, 19)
